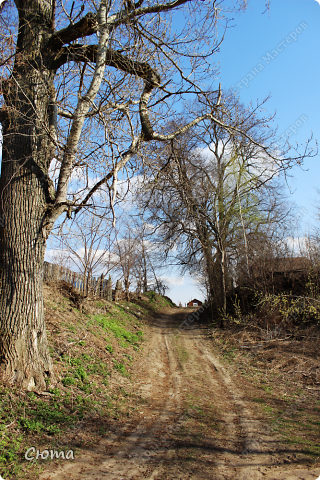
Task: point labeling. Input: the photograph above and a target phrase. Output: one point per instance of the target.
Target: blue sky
(292, 78)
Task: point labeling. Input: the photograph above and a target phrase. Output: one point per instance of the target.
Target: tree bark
(126, 288)
(221, 281)
(24, 199)
(216, 275)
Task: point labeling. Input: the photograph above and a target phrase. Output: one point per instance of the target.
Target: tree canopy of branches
(213, 188)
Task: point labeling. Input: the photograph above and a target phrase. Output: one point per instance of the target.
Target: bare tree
(212, 187)
(126, 251)
(148, 259)
(87, 243)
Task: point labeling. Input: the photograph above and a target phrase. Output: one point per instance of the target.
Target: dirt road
(195, 423)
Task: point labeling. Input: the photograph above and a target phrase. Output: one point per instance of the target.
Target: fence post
(118, 291)
(109, 289)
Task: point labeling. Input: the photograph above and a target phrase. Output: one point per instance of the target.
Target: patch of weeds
(56, 392)
(183, 354)
(109, 348)
(10, 449)
(33, 426)
(67, 381)
(152, 296)
(99, 368)
(267, 389)
(230, 354)
(32, 395)
(41, 416)
(85, 386)
(85, 357)
(268, 409)
(81, 373)
(117, 330)
(120, 367)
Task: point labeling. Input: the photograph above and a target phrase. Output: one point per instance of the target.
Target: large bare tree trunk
(221, 281)
(216, 276)
(24, 198)
(126, 288)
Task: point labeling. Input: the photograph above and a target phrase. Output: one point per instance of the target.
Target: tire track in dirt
(240, 426)
(129, 451)
(246, 449)
(195, 425)
(258, 452)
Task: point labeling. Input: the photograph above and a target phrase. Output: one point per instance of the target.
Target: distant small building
(195, 303)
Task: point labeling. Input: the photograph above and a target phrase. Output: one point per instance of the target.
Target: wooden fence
(98, 286)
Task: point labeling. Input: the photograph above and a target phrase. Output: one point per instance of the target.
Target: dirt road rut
(195, 423)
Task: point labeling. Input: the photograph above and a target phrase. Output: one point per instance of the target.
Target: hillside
(94, 345)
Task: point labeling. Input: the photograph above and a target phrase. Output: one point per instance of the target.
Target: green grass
(121, 368)
(79, 370)
(183, 354)
(258, 400)
(10, 449)
(118, 331)
(30, 418)
(155, 301)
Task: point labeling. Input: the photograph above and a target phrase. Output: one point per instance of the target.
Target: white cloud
(57, 255)
(172, 280)
(127, 191)
(69, 260)
(298, 245)
(184, 290)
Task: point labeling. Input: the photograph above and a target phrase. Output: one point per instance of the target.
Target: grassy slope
(94, 352)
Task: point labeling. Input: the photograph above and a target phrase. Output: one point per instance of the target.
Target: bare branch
(85, 27)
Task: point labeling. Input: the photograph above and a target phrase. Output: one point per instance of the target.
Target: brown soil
(198, 420)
